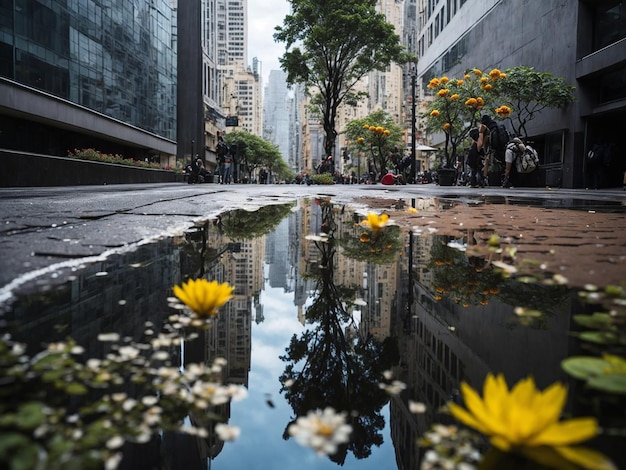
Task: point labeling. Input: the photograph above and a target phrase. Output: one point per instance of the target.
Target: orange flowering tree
(458, 105)
(377, 135)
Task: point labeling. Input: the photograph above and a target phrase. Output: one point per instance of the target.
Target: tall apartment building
(580, 40)
(88, 74)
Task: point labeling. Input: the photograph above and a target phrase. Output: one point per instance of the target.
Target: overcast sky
(263, 16)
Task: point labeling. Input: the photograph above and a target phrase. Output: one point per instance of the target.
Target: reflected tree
(376, 248)
(242, 224)
(470, 278)
(331, 365)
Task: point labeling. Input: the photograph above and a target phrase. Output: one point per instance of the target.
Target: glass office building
(86, 73)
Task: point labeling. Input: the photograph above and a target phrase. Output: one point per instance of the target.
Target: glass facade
(116, 57)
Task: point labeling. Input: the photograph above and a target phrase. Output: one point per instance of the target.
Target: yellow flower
(379, 129)
(483, 80)
(434, 113)
(495, 73)
(359, 140)
(204, 297)
(477, 72)
(466, 76)
(471, 102)
(461, 82)
(454, 97)
(375, 222)
(365, 237)
(525, 419)
(386, 132)
(444, 79)
(412, 210)
(446, 126)
(503, 111)
(487, 87)
(434, 83)
(443, 92)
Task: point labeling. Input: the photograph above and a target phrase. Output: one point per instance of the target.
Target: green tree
(376, 134)
(253, 152)
(528, 92)
(330, 45)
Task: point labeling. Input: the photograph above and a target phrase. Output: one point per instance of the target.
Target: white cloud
(263, 17)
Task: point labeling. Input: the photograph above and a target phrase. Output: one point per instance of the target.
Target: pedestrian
(476, 156)
(513, 150)
(228, 170)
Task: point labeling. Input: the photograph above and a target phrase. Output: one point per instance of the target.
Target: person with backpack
(513, 150)
(498, 139)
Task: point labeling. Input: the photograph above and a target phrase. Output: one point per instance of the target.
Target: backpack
(527, 161)
(498, 138)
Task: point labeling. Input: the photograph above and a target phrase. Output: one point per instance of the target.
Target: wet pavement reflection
(328, 312)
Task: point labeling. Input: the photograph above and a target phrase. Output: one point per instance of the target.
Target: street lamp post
(413, 157)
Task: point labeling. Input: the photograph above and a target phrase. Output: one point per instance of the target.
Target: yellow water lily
(375, 222)
(526, 419)
(204, 297)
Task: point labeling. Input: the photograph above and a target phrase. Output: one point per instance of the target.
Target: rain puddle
(377, 325)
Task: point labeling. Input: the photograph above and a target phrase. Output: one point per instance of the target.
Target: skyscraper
(88, 74)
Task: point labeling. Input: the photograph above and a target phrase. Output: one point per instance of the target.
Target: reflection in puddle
(330, 313)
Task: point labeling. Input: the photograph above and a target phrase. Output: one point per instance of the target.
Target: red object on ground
(389, 179)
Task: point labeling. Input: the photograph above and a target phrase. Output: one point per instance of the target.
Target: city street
(45, 228)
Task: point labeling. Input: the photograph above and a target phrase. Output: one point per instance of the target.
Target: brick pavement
(579, 244)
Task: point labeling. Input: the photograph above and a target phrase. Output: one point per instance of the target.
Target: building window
(612, 85)
(553, 148)
(609, 23)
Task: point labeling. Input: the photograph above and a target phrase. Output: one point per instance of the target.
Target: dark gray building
(98, 74)
(583, 41)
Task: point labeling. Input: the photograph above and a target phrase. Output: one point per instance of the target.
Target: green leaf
(597, 320)
(76, 389)
(584, 367)
(614, 383)
(30, 415)
(598, 337)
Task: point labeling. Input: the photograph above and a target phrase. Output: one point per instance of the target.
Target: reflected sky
(261, 442)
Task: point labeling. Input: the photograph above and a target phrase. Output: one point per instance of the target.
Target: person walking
(475, 157)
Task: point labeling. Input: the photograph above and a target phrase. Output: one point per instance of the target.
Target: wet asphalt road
(42, 227)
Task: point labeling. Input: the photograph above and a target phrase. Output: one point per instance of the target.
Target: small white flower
(129, 404)
(149, 400)
(77, 350)
(93, 363)
(388, 375)
(113, 461)
(115, 442)
(237, 392)
(128, 352)
(417, 407)
(226, 432)
(394, 388)
(112, 337)
(322, 431)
